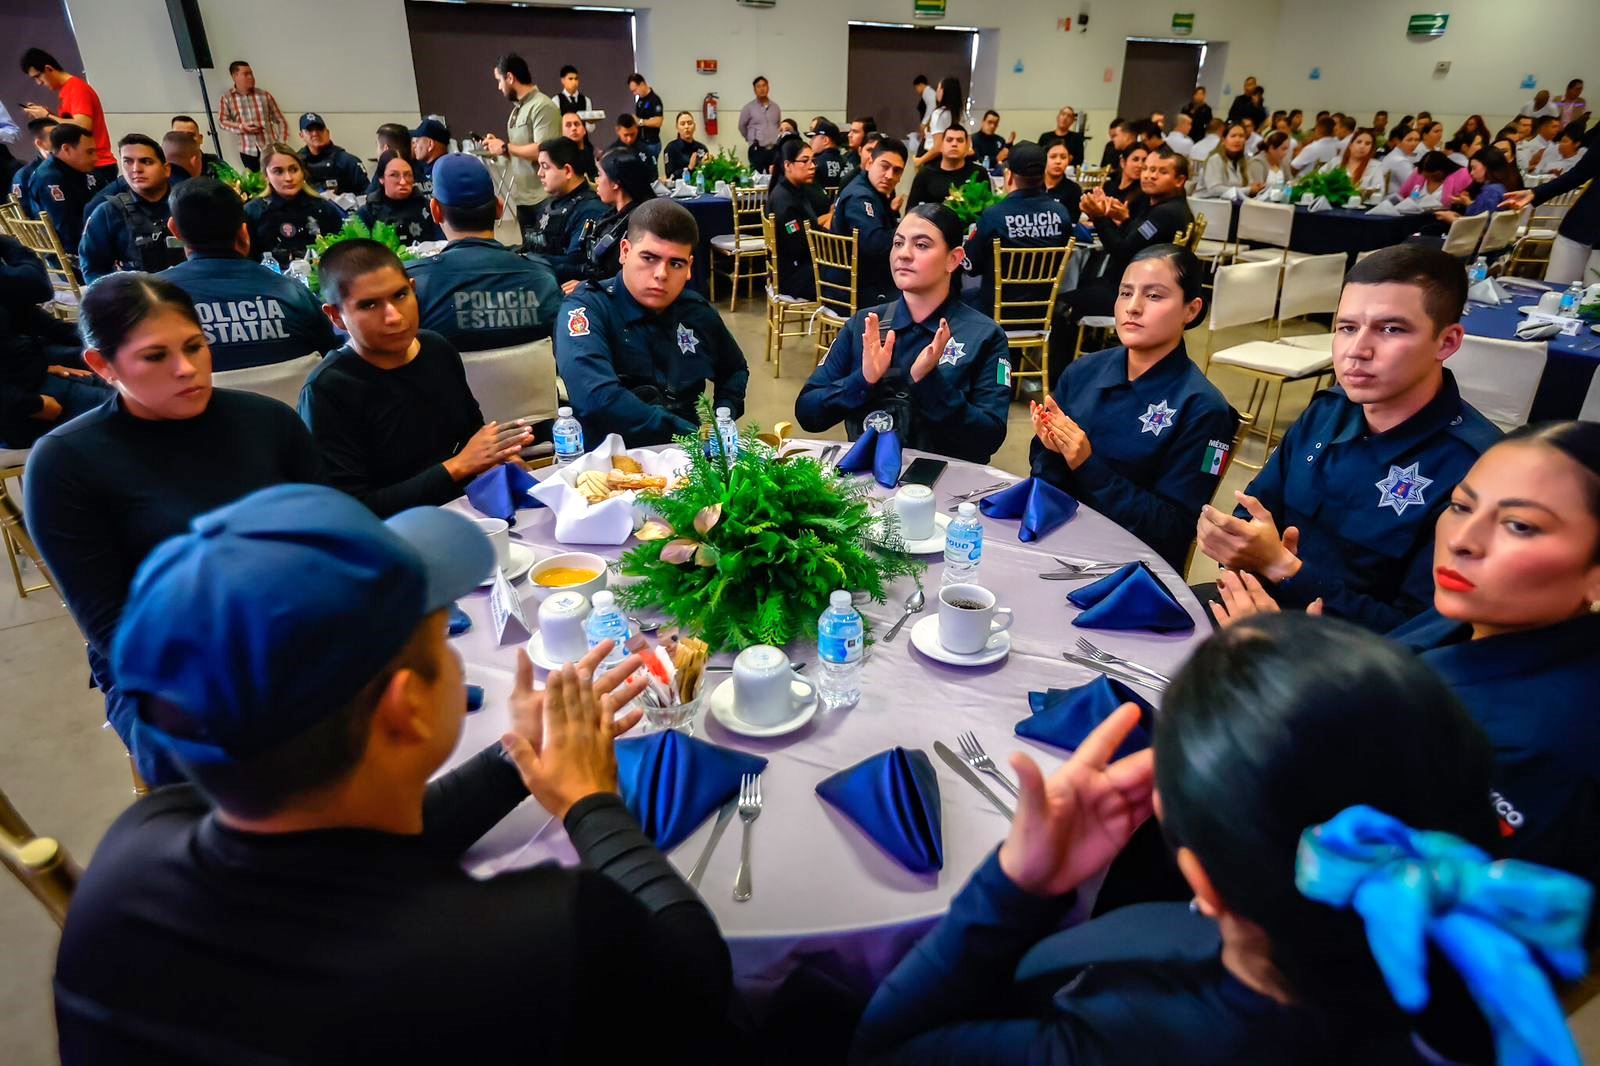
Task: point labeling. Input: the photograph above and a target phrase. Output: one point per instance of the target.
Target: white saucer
(928, 545)
(925, 638)
(723, 710)
(522, 560)
(540, 657)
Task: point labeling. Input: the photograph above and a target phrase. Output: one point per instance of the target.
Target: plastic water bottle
(1478, 271)
(1416, 194)
(1571, 299)
(567, 436)
(963, 546)
(727, 439)
(607, 622)
(839, 646)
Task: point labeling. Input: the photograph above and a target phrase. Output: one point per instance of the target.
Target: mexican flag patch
(791, 228)
(1002, 372)
(1216, 457)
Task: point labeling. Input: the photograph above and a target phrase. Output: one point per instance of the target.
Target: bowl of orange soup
(582, 572)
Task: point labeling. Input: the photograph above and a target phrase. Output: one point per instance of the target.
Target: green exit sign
(1183, 23)
(1427, 25)
(928, 9)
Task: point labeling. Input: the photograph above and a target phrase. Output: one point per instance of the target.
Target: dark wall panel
(34, 24)
(883, 61)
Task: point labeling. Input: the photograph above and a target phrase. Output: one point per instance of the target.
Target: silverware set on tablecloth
(1106, 662)
(975, 495)
(1079, 569)
(747, 805)
(972, 761)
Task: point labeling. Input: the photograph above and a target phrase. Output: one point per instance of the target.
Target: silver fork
(749, 811)
(1100, 656)
(1073, 569)
(980, 761)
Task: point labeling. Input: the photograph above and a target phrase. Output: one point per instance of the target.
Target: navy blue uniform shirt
(649, 106)
(560, 228)
(959, 409)
(251, 315)
(791, 208)
(675, 157)
(409, 217)
(128, 232)
(866, 211)
(1158, 445)
(334, 170)
(62, 193)
(632, 371)
(478, 294)
(1366, 503)
(286, 228)
(830, 168)
(1028, 218)
(19, 186)
(1534, 694)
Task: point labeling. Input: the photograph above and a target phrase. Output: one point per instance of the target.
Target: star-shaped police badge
(687, 341)
(953, 352)
(1402, 488)
(1157, 417)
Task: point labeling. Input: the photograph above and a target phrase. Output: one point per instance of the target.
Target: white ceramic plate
(723, 710)
(522, 560)
(925, 638)
(928, 545)
(537, 653)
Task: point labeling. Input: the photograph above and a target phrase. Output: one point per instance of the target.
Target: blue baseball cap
(272, 613)
(312, 120)
(462, 180)
(432, 127)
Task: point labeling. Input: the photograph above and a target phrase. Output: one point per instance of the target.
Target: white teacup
(1550, 302)
(968, 618)
(916, 507)
(498, 530)
(561, 618)
(766, 691)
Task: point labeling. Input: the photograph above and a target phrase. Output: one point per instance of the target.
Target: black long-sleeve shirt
(190, 941)
(25, 331)
(385, 434)
(1582, 220)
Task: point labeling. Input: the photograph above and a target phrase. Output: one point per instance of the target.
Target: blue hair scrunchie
(1492, 919)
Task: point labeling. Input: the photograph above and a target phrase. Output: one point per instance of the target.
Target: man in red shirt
(79, 104)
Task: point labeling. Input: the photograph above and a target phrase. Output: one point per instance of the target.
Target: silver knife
(970, 776)
(1115, 671)
(724, 816)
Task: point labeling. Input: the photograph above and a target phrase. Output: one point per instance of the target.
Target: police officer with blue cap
(1029, 217)
(1344, 511)
(825, 153)
(251, 315)
(128, 230)
(566, 218)
(329, 168)
(430, 142)
(864, 208)
(477, 293)
(637, 349)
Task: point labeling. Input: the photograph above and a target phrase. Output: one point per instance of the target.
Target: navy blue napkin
(1065, 717)
(893, 797)
(1132, 597)
(672, 782)
(460, 621)
(875, 452)
(1042, 507)
(499, 492)
(474, 698)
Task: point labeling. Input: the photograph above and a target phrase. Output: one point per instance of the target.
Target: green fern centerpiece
(247, 183)
(724, 166)
(1334, 184)
(748, 552)
(970, 200)
(382, 232)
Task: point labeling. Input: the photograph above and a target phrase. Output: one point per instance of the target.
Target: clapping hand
(877, 351)
(1094, 203)
(489, 447)
(1072, 824)
(930, 356)
(1242, 596)
(1058, 432)
(1116, 210)
(1254, 545)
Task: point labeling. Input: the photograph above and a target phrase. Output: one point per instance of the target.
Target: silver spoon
(641, 626)
(914, 605)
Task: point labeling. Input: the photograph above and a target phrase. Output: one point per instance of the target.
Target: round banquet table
(714, 217)
(825, 895)
(1572, 360)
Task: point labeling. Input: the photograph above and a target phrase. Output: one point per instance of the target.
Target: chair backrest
(769, 241)
(1590, 412)
(40, 863)
(830, 255)
(1217, 213)
(749, 205)
(1498, 377)
(1465, 233)
(38, 235)
(1190, 236)
(1026, 283)
(1245, 293)
(1266, 223)
(1311, 286)
(9, 211)
(1093, 177)
(515, 382)
(1502, 230)
(281, 381)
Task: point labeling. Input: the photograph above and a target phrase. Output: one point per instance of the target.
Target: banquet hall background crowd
(298, 864)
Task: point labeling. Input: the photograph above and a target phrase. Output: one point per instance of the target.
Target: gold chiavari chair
(743, 247)
(1027, 282)
(40, 863)
(786, 315)
(833, 257)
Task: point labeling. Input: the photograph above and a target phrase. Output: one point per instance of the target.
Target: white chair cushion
(1027, 334)
(1315, 342)
(1268, 357)
(1540, 235)
(726, 242)
(1098, 322)
(1210, 249)
(10, 457)
(1267, 255)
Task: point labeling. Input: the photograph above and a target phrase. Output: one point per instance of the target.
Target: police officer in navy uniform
(430, 142)
(1029, 217)
(477, 293)
(398, 203)
(626, 181)
(1158, 217)
(128, 231)
(793, 209)
(329, 168)
(289, 219)
(251, 315)
(683, 152)
(942, 371)
(63, 185)
(825, 153)
(21, 181)
(558, 231)
(1136, 431)
(637, 350)
(863, 208)
(1344, 511)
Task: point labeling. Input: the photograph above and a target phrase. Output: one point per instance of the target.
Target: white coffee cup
(1550, 302)
(561, 618)
(498, 530)
(968, 618)
(916, 507)
(766, 691)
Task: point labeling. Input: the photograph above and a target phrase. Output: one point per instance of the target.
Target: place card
(505, 605)
(1569, 326)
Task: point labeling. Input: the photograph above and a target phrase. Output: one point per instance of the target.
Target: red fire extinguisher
(709, 113)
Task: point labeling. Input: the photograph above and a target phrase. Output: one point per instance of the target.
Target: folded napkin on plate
(610, 521)
(1537, 331)
(1319, 204)
(893, 797)
(1385, 209)
(672, 782)
(1065, 717)
(1042, 507)
(1488, 291)
(1132, 597)
(877, 453)
(498, 493)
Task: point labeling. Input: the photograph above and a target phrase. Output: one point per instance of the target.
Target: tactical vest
(157, 249)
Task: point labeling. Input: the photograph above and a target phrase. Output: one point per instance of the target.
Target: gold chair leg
(139, 786)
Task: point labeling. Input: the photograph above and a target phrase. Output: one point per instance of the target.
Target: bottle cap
(562, 412)
(603, 599)
(967, 510)
(840, 598)
(724, 412)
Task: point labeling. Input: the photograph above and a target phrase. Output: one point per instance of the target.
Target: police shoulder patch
(56, 194)
(578, 322)
(868, 207)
